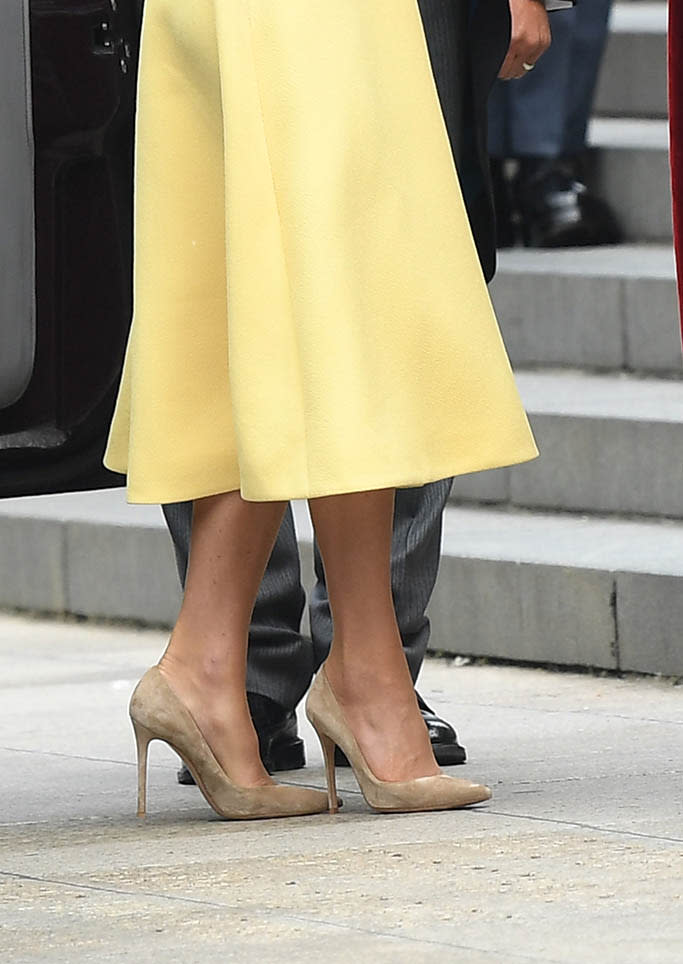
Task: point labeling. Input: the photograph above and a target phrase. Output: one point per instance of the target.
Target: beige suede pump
(158, 714)
(440, 792)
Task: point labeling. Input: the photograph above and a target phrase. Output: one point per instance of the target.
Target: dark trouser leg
(590, 37)
(280, 659)
(416, 550)
(545, 114)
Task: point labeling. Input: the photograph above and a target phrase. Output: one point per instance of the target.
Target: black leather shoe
(280, 745)
(557, 210)
(447, 750)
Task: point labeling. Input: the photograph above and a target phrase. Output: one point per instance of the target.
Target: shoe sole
(447, 755)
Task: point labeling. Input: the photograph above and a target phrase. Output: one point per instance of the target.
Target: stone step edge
(628, 134)
(672, 375)
(106, 512)
(607, 396)
(637, 17)
(498, 499)
(514, 585)
(595, 309)
(630, 261)
(609, 543)
(575, 591)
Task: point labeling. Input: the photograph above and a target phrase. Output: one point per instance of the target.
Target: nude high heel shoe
(440, 792)
(158, 714)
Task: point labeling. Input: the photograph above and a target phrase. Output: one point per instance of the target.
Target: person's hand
(529, 39)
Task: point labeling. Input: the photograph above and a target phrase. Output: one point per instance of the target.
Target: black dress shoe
(447, 750)
(280, 745)
(556, 208)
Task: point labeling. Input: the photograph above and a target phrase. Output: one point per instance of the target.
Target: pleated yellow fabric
(310, 314)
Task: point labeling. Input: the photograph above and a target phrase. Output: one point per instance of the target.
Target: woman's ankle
(354, 670)
(380, 708)
(221, 712)
(206, 663)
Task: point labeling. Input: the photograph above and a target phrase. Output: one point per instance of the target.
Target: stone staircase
(577, 558)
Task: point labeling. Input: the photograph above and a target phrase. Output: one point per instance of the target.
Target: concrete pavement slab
(577, 857)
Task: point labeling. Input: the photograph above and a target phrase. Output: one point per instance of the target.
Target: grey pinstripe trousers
(282, 661)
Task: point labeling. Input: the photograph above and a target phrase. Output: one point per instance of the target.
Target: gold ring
(528, 66)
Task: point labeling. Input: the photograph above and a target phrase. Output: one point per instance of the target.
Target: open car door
(68, 78)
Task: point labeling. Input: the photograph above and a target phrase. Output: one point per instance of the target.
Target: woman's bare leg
(206, 659)
(367, 667)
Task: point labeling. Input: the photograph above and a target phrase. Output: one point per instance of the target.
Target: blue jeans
(545, 114)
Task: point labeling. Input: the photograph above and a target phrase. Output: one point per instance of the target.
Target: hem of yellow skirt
(142, 495)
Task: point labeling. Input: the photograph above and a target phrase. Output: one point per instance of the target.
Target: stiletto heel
(330, 772)
(143, 738)
(158, 714)
(440, 792)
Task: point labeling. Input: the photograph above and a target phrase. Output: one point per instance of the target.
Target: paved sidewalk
(577, 858)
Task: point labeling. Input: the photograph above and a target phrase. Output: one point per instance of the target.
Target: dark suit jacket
(485, 47)
(489, 42)
(467, 47)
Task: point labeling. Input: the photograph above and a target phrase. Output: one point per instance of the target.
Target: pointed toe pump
(158, 714)
(440, 792)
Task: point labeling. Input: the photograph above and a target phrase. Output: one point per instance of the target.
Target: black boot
(280, 745)
(447, 750)
(556, 208)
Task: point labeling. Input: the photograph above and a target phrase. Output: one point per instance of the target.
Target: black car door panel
(68, 242)
(17, 239)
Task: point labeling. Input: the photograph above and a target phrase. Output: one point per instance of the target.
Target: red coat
(676, 114)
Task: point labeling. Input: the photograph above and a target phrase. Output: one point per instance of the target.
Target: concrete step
(87, 554)
(608, 444)
(603, 308)
(558, 589)
(513, 585)
(633, 74)
(630, 169)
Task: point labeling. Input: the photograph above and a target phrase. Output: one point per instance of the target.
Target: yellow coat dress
(310, 314)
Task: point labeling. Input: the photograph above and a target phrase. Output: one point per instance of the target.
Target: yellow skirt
(310, 314)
